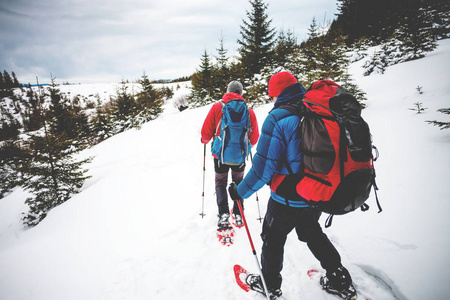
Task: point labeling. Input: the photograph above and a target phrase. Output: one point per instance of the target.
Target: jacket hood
(290, 95)
(231, 96)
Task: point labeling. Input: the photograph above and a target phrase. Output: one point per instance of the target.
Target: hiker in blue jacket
(279, 146)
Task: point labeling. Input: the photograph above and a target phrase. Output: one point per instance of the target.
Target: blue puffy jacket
(279, 141)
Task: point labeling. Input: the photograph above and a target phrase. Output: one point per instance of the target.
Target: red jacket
(210, 130)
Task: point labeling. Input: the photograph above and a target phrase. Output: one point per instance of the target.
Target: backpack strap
(342, 145)
(364, 207)
(296, 110)
(220, 121)
(323, 106)
(290, 173)
(375, 189)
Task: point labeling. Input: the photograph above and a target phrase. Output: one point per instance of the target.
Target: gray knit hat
(235, 87)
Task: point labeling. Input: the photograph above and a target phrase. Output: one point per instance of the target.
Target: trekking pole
(256, 193)
(204, 170)
(253, 249)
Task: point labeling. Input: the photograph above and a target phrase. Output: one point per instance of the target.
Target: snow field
(134, 232)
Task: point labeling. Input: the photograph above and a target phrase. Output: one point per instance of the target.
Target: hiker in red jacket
(211, 130)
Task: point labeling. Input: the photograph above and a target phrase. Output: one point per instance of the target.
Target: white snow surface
(134, 232)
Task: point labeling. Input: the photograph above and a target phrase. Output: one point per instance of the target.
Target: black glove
(232, 190)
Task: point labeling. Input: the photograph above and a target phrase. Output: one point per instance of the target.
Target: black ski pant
(278, 223)
(221, 180)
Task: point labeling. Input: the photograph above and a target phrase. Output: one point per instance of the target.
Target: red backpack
(337, 148)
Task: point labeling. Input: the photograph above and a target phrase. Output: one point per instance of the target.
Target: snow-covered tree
(53, 174)
(285, 46)
(32, 113)
(416, 34)
(323, 56)
(67, 118)
(13, 160)
(102, 123)
(379, 61)
(9, 126)
(440, 12)
(8, 82)
(123, 102)
(348, 83)
(360, 48)
(149, 103)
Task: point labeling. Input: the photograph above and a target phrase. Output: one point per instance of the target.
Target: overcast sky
(110, 40)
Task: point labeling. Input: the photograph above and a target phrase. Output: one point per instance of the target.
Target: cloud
(84, 40)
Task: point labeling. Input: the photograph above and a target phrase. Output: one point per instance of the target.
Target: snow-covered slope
(134, 232)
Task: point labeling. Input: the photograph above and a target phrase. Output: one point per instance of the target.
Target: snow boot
(255, 283)
(238, 220)
(223, 222)
(339, 282)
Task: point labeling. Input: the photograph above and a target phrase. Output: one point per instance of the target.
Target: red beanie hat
(279, 82)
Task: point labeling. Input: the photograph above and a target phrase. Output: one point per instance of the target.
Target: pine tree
(440, 124)
(13, 162)
(257, 41)
(221, 70)
(313, 30)
(165, 93)
(347, 82)
(9, 127)
(102, 123)
(67, 118)
(124, 102)
(416, 34)
(285, 47)
(148, 101)
(222, 59)
(32, 114)
(202, 83)
(440, 11)
(380, 60)
(53, 175)
(375, 20)
(322, 57)
(79, 123)
(360, 48)
(15, 81)
(8, 82)
(333, 61)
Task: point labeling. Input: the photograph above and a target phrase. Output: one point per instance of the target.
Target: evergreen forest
(403, 30)
(42, 129)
